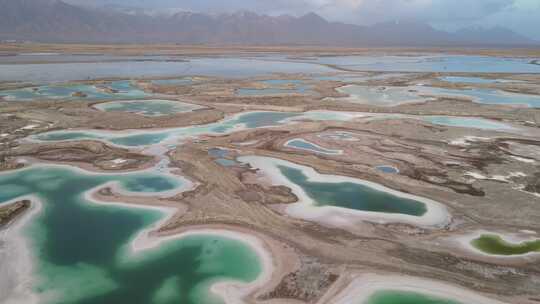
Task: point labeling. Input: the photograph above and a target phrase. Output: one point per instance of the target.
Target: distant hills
(58, 21)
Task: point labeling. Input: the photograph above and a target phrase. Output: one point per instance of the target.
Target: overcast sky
(522, 16)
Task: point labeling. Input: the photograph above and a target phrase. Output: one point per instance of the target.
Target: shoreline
(230, 291)
(18, 257)
(301, 228)
(358, 99)
(11, 211)
(145, 239)
(148, 239)
(177, 135)
(184, 183)
(365, 285)
(436, 215)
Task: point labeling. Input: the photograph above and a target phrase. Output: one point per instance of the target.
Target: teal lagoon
(352, 195)
(148, 107)
(342, 201)
(113, 90)
(249, 120)
(143, 138)
(82, 251)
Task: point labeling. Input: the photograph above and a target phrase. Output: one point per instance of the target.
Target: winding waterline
(83, 252)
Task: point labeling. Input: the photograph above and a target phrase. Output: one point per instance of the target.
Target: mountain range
(58, 21)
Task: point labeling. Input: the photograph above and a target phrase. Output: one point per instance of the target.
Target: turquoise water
(152, 107)
(276, 87)
(124, 89)
(467, 122)
(308, 146)
(387, 169)
(490, 96)
(405, 297)
(81, 249)
(140, 139)
(353, 196)
(248, 120)
(121, 86)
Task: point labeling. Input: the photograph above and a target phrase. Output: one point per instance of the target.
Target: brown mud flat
(12, 211)
(314, 261)
(172, 49)
(218, 201)
(308, 284)
(89, 154)
(7, 164)
(430, 166)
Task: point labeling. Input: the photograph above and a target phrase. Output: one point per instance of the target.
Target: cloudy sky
(522, 16)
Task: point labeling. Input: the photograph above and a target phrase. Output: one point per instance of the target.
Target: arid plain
(348, 172)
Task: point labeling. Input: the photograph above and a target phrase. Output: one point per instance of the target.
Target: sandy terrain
(484, 180)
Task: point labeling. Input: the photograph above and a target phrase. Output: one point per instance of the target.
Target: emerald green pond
(494, 244)
(81, 249)
(352, 195)
(402, 297)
